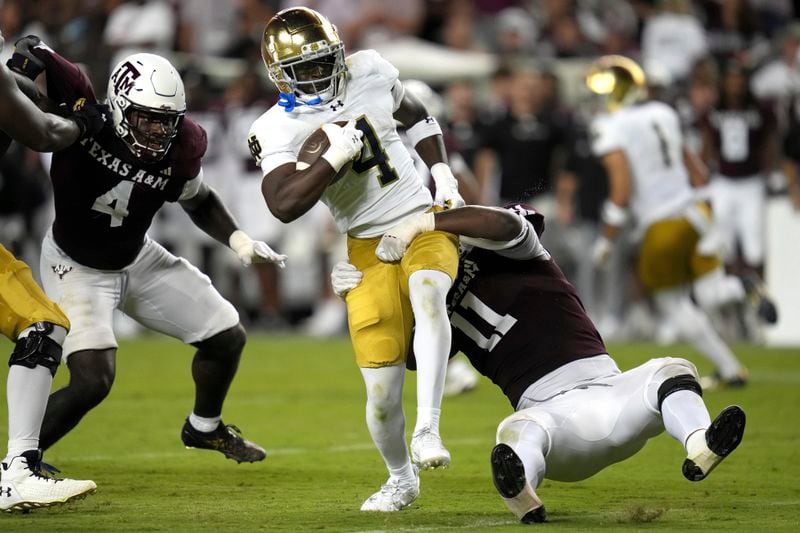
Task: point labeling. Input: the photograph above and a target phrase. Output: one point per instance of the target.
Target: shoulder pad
(370, 62)
(189, 149)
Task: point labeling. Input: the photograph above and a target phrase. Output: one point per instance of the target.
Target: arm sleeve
(526, 245)
(191, 187)
(66, 83)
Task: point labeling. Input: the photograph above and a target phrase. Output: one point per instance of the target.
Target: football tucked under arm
(339, 154)
(291, 189)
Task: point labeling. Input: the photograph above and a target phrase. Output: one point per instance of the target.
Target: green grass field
(303, 401)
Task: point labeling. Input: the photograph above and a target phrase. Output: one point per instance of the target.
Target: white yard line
(275, 452)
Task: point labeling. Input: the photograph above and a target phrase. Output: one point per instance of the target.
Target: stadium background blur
(508, 82)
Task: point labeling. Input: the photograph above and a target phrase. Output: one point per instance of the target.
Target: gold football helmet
(618, 80)
(304, 56)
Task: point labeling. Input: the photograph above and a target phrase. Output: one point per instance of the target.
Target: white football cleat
(393, 496)
(460, 378)
(706, 449)
(427, 450)
(23, 485)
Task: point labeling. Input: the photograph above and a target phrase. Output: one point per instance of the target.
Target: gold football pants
(379, 310)
(22, 301)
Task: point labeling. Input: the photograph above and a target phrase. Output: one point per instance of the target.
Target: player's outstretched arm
(485, 227)
(489, 223)
(22, 120)
(208, 213)
(26, 123)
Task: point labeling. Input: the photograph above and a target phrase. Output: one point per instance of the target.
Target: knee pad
(226, 342)
(678, 383)
(37, 349)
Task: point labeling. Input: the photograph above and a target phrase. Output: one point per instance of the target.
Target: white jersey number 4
(501, 323)
(115, 202)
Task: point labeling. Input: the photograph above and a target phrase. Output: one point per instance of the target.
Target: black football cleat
(757, 294)
(721, 438)
(508, 474)
(226, 439)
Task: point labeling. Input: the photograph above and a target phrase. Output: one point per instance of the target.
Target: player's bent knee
(37, 349)
(228, 342)
(512, 429)
(678, 383)
(431, 285)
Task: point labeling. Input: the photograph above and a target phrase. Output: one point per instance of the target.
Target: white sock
(205, 425)
(695, 327)
(428, 417)
(385, 419)
(28, 390)
(684, 413)
(405, 474)
(428, 292)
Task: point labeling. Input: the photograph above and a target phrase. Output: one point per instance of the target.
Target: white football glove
(601, 251)
(396, 240)
(446, 187)
(345, 145)
(250, 251)
(344, 278)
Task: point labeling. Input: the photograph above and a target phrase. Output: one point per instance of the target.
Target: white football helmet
(147, 102)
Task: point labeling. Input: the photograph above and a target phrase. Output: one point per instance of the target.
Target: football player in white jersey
(653, 180)
(319, 86)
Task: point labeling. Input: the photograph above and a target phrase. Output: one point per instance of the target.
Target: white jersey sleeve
(275, 139)
(369, 63)
(605, 135)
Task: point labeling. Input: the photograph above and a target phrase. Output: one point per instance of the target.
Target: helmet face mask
(304, 56)
(151, 132)
(147, 102)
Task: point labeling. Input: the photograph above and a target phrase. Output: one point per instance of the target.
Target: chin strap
(289, 101)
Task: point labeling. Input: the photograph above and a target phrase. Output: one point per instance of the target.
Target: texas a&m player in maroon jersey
(98, 257)
(521, 324)
(740, 143)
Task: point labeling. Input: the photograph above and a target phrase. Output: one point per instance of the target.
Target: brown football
(313, 148)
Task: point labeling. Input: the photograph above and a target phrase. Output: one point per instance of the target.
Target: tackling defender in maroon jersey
(521, 323)
(98, 258)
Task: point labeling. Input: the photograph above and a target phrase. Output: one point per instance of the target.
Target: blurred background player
(651, 178)
(97, 257)
(740, 143)
(576, 413)
(305, 59)
(33, 322)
